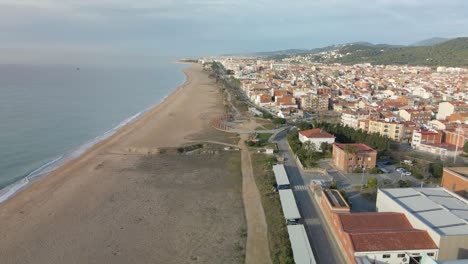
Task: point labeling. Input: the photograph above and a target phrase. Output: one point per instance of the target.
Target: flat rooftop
(280, 174)
(288, 203)
(300, 245)
(441, 210)
(335, 198)
(460, 170)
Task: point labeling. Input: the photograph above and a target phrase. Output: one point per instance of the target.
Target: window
(430, 254)
(369, 158)
(359, 158)
(386, 256)
(350, 158)
(401, 255)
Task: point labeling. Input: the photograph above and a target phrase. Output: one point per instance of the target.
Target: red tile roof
(374, 221)
(360, 147)
(384, 232)
(402, 240)
(316, 133)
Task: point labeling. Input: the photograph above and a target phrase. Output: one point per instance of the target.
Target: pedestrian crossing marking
(301, 188)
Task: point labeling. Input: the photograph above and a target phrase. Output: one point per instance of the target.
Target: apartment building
(457, 136)
(351, 118)
(426, 137)
(448, 108)
(393, 130)
(418, 116)
(348, 157)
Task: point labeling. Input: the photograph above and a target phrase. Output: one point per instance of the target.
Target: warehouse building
(443, 214)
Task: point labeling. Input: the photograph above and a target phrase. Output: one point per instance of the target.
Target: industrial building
(443, 214)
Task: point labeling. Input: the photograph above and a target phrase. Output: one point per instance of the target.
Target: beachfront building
(316, 137)
(441, 213)
(348, 157)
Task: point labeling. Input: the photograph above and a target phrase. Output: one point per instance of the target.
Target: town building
(455, 179)
(418, 116)
(393, 130)
(426, 137)
(348, 157)
(457, 136)
(383, 238)
(316, 137)
(448, 108)
(374, 237)
(441, 213)
(351, 118)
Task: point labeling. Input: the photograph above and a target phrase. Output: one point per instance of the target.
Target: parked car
(400, 170)
(406, 173)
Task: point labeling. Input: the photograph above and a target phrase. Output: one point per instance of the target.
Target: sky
(132, 31)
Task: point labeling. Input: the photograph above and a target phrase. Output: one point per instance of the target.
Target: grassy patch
(278, 239)
(264, 136)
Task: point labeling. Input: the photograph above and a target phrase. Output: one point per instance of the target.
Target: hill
(450, 53)
(430, 42)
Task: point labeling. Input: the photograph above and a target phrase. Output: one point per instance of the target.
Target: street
(323, 244)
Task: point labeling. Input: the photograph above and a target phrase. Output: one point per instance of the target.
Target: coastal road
(324, 246)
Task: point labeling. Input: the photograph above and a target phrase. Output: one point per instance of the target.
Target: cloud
(215, 26)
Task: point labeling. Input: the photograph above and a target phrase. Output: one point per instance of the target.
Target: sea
(52, 113)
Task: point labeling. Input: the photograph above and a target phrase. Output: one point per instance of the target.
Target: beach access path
(257, 250)
(122, 202)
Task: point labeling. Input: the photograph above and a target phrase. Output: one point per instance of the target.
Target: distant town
(376, 154)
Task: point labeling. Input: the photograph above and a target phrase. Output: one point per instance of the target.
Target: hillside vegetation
(450, 53)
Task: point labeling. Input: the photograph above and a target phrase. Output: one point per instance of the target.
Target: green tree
(279, 121)
(436, 169)
(465, 147)
(325, 147)
(304, 126)
(372, 182)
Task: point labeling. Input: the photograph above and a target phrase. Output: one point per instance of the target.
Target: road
(323, 244)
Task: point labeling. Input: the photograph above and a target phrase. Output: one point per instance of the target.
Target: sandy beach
(126, 201)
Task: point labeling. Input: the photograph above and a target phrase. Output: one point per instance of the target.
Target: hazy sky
(87, 31)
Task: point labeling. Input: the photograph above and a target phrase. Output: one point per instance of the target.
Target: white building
(351, 118)
(316, 137)
(443, 214)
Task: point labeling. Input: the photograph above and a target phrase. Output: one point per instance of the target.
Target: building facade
(456, 180)
(348, 157)
(316, 137)
(393, 130)
(440, 212)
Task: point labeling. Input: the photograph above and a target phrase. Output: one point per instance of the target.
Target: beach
(132, 199)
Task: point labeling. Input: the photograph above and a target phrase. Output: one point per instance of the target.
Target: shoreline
(124, 201)
(98, 143)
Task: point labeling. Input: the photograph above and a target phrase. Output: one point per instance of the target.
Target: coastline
(125, 201)
(59, 164)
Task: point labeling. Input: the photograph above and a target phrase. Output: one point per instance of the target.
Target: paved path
(257, 251)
